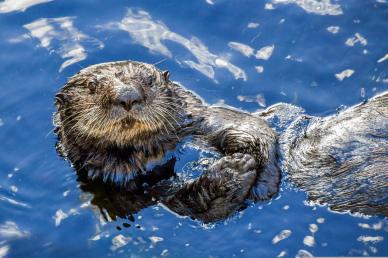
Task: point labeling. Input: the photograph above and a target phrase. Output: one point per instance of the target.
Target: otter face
(119, 102)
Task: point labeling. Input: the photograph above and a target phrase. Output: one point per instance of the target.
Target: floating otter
(114, 120)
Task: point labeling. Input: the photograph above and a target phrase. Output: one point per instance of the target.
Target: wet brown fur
(99, 136)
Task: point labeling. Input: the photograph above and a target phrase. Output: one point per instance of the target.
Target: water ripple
(149, 33)
(59, 35)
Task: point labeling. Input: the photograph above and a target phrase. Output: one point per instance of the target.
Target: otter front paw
(219, 192)
(238, 162)
(234, 175)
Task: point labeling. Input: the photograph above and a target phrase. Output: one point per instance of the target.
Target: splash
(152, 34)
(59, 35)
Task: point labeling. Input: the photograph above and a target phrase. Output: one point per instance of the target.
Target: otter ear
(166, 75)
(60, 99)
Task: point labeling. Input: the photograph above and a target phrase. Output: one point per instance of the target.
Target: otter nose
(127, 96)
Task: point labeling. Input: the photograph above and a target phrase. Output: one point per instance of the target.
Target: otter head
(116, 106)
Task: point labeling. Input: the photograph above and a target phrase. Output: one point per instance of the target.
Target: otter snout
(127, 96)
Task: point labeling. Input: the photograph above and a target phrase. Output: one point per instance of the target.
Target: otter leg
(218, 192)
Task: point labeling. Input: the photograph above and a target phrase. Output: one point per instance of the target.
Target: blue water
(43, 212)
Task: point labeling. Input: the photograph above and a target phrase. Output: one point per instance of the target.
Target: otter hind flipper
(342, 159)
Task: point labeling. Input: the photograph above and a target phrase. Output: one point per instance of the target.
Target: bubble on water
(286, 207)
(18, 118)
(164, 252)
(282, 254)
(14, 188)
(281, 236)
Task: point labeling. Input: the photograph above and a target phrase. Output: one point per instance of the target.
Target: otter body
(340, 160)
(114, 119)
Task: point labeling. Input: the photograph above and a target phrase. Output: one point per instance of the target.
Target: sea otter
(115, 120)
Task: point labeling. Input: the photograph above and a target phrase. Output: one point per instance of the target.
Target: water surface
(320, 55)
